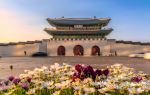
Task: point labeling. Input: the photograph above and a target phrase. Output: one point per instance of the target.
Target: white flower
(139, 90)
(37, 70)
(117, 65)
(55, 66)
(76, 87)
(96, 83)
(59, 76)
(44, 68)
(87, 80)
(103, 90)
(70, 73)
(132, 91)
(31, 73)
(65, 83)
(133, 84)
(58, 85)
(56, 93)
(23, 75)
(89, 90)
(47, 84)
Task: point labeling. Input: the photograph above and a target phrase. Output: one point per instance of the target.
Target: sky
(24, 20)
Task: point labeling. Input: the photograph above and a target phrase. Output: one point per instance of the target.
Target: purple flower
(136, 79)
(79, 68)
(89, 72)
(29, 79)
(11, 78)
(16, 80)
(85, 70)
(25, 85)
(98, 72)
(93, 75)
(75, 76)
(106, 72)
(90, 69)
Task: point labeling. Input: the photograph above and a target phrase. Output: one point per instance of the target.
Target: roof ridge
(79, 18)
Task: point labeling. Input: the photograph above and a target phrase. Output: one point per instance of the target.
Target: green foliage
(19, 91)
(67, 91)
(95, 93)
(45, 91)
(1, 93)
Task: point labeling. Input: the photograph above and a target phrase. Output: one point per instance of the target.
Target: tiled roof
(77, 21)
(59, 32)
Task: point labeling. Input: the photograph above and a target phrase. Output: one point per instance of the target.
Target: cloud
(18, 26)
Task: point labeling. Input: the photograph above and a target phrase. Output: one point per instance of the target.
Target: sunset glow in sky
(23, 20)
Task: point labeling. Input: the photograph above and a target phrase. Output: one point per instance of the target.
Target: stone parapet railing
(20, 43)
(74, 39)
(131, 42)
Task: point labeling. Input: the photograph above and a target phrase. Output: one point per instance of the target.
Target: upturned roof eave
(77, 21)
(53, 32)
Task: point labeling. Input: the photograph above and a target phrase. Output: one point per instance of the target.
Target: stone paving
(21, 63)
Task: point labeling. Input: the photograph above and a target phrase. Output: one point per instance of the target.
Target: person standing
(25, 53)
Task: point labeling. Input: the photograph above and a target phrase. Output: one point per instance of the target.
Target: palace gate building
(78, 36)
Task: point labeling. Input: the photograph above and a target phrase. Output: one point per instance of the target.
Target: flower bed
(79, 80)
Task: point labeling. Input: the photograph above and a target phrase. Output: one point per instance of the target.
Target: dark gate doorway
(95, 51)
(61, 51)
(78, 50)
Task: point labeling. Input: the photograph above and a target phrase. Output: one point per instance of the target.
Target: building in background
(76, 37)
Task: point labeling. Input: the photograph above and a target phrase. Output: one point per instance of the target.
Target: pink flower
(25, 85)
(16, 80)
(136, 79)
(1, 84)
(4, 88)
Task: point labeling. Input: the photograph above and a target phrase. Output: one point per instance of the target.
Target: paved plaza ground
(22, 63)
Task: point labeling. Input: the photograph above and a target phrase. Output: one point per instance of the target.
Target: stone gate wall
(125, 48)
(17, 49)
(69, 44)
